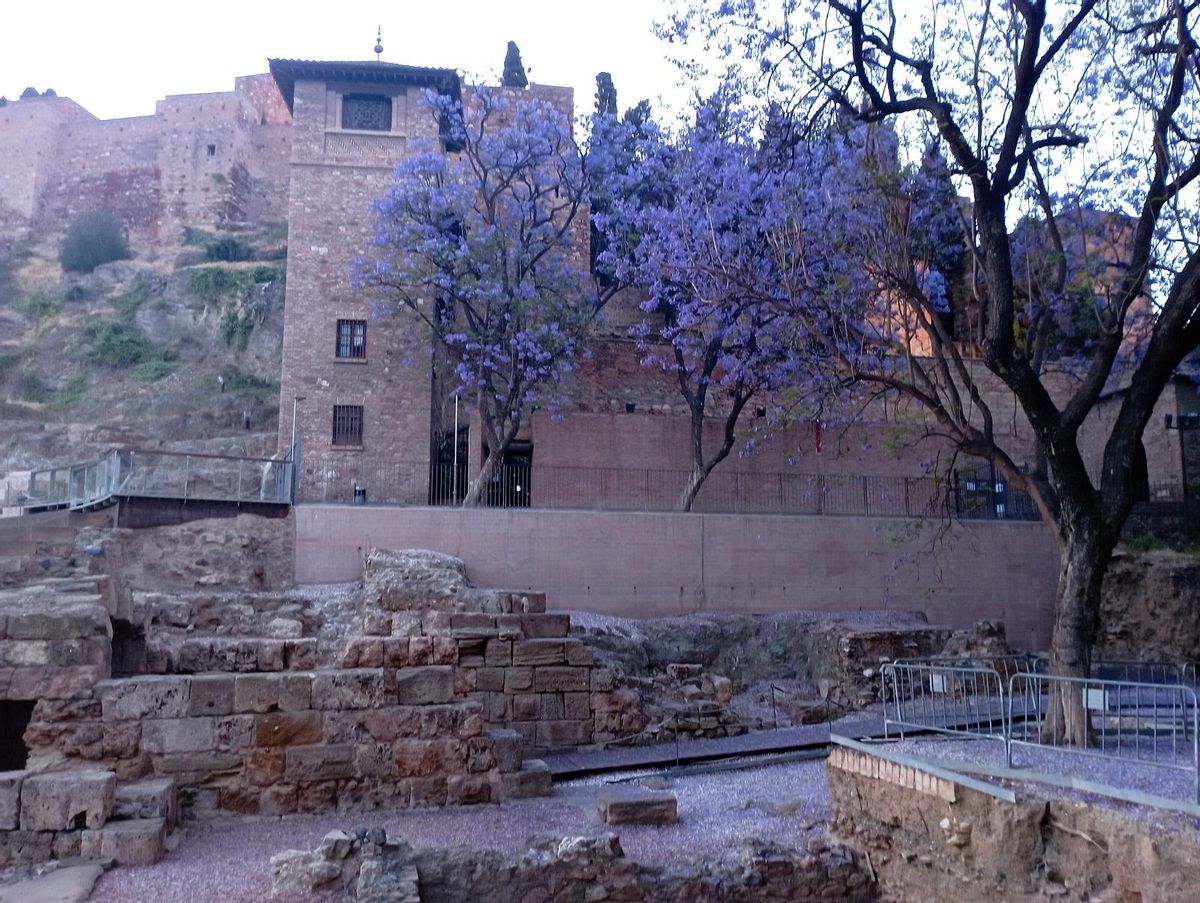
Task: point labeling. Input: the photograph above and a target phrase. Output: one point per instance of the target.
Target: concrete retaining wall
(660, 564)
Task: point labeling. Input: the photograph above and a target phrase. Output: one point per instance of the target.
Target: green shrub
(237, 381)
(120, 344)
(94, 238)
(29, 386)
(211, 283)
(127, 305)
(264, 275)
(38, 307)
(153, 371)
(236, 327)
(229, 249)
(1145, 543)
(197, 237)
(69, 394)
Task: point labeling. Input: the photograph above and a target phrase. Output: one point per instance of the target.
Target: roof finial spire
(378, 43)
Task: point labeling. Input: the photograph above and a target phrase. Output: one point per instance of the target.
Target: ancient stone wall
(926, 833)
(567, 868)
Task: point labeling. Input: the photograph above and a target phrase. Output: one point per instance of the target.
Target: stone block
(499, 707)
(295, 692)
(270, 655)
(395, 652)
(152, 798)
(67, 800)
(256, 693)
(552, 707)
(352, 689)
(178, 735)
(560, 680)
(429, 791)
(576, 706)
(26, 846)
(211, 694)
(490, 680)
(300, 655)
(420, 650)
(472, 623)
(638, 807)
(445, 650)
(578, 654)
(393, 723)
(507, 747)
(526, 707)
(563, 734)
(288, 729)
(539, 652)
(425, 686)
(265, 766)
(134, 698)
(537, 626)
(319, 763)
(518, 680)
(122, 739)
(533, 780)
(200, 764)
(468, 790)
(465, 681)
(498, 653)
(10, 799)
(140, 841)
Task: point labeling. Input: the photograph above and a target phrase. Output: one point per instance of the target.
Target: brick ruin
(418, 689)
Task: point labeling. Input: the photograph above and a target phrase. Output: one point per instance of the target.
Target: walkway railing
(1146, 723)
(158, 474)
(1142, 723)
(957, 700)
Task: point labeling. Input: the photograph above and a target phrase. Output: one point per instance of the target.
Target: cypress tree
(606, 95)
(514, 69)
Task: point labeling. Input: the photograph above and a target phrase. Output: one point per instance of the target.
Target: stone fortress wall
(199, 159)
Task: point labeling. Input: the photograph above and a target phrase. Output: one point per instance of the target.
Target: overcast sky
(117, 58)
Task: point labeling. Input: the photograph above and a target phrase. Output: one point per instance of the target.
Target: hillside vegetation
(166, 349)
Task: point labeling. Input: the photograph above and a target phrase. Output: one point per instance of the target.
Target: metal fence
(956, 700)
(1146, 723)
(333, 479)
(159, 474)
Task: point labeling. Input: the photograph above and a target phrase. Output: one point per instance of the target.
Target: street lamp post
(296, 399)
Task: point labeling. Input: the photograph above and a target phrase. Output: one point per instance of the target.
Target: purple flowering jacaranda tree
(486, 246)
(1042, 109)
(693, 227)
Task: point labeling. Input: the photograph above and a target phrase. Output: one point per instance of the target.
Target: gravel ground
(229, 861)
(1171, 783)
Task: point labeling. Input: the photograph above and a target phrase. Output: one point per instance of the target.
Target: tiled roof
(288, 72)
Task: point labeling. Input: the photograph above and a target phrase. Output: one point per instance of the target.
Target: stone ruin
(370, 867)
(416, 689)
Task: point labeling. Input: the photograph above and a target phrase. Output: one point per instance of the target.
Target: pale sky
(116, 59)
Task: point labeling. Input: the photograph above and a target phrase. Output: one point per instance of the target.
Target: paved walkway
(768, 740)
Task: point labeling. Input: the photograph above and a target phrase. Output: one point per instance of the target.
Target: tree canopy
(1041, 112)
(484, 248)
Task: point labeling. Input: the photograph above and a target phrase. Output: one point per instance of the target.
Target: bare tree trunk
(692, 488)
(474, 496)
(1076, 615)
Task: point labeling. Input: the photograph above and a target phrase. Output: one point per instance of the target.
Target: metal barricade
(1141, 722)
(948, 699)
(1006, 664)
(1136, 671)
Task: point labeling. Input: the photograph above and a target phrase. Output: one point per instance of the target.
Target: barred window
(351, 338)
(371, 112)
(347, 424)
